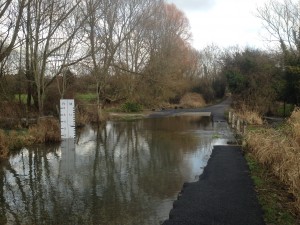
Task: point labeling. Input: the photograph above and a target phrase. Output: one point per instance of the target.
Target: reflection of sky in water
(121, 173)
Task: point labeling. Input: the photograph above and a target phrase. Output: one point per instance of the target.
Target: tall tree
(50, 31)
(282, 21)
(168, 37)
(110, 24)
(251, 78)
(11, 12)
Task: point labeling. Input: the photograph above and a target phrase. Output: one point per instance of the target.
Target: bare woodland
(119, 50)
(136, 51)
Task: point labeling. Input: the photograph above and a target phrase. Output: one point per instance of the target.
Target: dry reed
(46, 130)
(192, 100)
(250, 116)
(279, 150)
(294, 122)
(3, 145)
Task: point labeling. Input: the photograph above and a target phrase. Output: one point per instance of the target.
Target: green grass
(272, 195)
(216, 136)
(288, 111)
(23, 98)
(87, 97)
(131, 107)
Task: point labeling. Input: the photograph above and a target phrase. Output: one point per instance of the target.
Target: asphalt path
(224, 193)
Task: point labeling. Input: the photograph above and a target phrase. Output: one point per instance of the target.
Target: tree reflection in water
(119, 173)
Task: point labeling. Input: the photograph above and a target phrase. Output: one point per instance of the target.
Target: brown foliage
(294, 121)
(46, 130)
(3, 145)
(250, 116)
(192, 100)
(88, 113)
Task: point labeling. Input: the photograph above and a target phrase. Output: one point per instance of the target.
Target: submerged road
(224, 193)
(217, 111)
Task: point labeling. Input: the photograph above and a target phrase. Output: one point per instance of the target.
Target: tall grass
(192, 100)
(294, 122)
(3, 145)
(250, 116)
(46, 130)
(279, 150)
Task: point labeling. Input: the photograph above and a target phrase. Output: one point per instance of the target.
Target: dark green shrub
(131, 107)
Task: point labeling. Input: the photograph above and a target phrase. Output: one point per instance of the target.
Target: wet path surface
(224, 193)
(217, 111)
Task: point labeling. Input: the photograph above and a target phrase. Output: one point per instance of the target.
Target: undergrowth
(273, 196)
(279, 151)
(46, 130)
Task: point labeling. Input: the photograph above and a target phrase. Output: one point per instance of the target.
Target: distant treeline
(137, 51)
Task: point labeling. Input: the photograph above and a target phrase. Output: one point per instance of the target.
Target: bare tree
(110, 24)
(281, 19)
(50, 31)
(11, 12)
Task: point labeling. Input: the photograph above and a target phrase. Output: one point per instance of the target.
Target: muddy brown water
(125, 172)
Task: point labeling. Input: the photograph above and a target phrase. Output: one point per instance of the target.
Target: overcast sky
(223, 22)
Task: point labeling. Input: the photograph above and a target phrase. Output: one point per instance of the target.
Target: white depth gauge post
(67, 118)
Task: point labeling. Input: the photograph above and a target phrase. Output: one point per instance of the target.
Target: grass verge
(87, 97)
(277, 203)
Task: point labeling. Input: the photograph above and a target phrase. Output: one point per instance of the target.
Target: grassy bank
(277, 203)
(45, 131)
(273, 154)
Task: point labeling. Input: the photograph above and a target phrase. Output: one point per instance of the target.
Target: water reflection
(119, 173)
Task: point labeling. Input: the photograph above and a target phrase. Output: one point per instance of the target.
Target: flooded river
(124, 172)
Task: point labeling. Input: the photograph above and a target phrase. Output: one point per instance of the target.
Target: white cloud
(193, 5)
(223, 22)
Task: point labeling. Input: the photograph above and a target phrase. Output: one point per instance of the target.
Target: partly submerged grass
(273, 196)
(46, 130)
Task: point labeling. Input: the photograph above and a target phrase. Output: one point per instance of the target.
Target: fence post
(230, 117)
(244, 127)
(238, 127)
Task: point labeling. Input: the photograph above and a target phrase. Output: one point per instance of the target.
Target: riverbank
(47, 129)
(275, 149)
(273, 195)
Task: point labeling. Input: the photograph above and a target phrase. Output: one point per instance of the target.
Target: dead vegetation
(192, 100)
(45, 131)
(3, 145)
(279, 150)
(250, 116)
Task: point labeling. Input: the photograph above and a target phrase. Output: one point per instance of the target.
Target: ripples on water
(120, 173)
